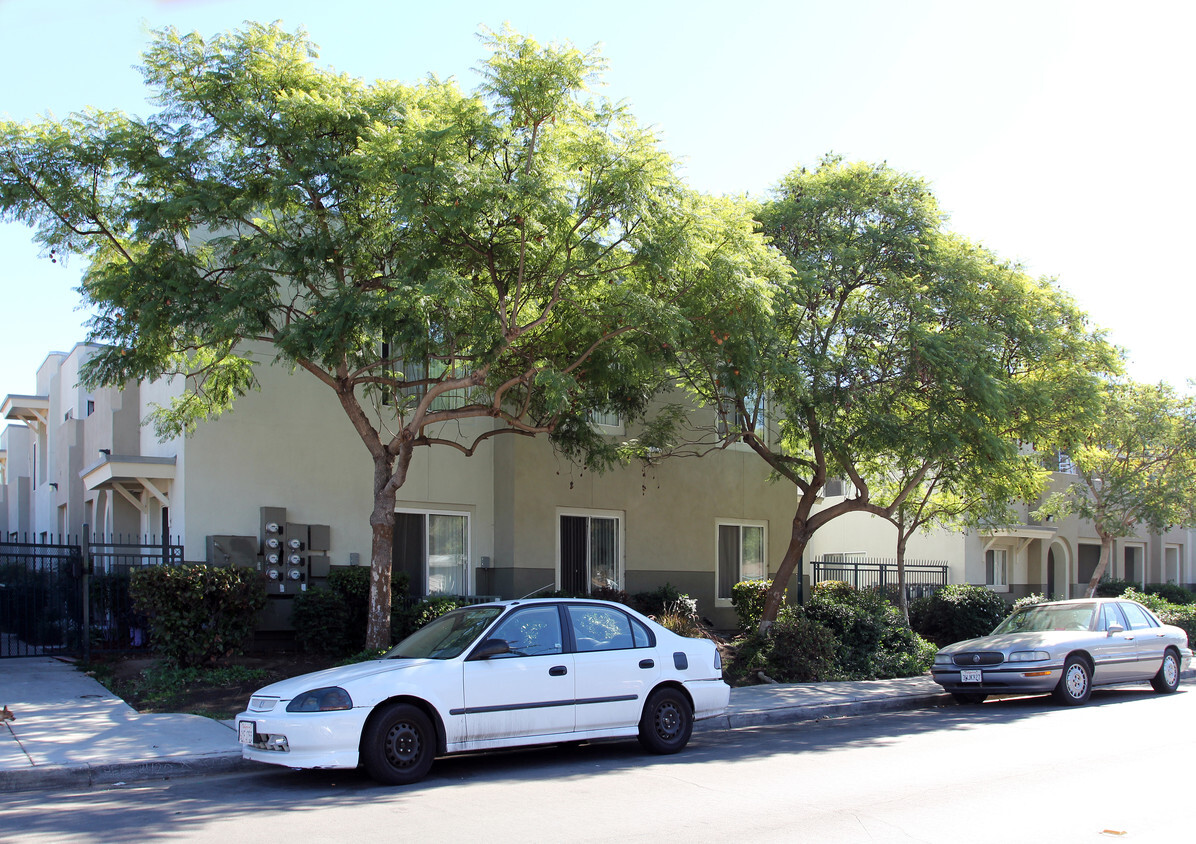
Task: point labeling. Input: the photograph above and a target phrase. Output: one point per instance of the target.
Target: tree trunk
(382, 527)
(902, 598)
(776, 592)
(1106, 555)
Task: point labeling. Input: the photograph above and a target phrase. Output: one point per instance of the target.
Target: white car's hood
(340, 676)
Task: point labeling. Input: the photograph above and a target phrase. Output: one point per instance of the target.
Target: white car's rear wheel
(667, 722)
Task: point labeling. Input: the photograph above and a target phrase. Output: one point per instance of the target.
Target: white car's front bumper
(304, 739)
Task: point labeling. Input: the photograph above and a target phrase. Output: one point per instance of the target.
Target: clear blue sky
(1056, 133)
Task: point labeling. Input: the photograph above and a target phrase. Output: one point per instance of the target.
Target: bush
(1113, 588)
(748, 596)
(666, 600)
(406, 620)
(874, 640)
(1181, 615)
(800, 650)
(198, 614)
(957, 612)
(840, 634)
(333, 619)
(1033, 599)
(1172, 592)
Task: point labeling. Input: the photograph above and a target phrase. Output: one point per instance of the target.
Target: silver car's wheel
(1167, 680)
(1075, 687)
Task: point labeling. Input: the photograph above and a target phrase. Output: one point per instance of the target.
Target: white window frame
(468, 578)
(998, 584)
(610, 424)
(619, 516)
(739, 523)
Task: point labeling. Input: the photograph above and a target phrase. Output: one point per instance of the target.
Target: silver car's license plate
(971, 675)
(245, 731)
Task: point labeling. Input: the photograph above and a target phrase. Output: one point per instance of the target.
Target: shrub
(333, 619)
(957, 612)
(748, 596)
(800, 650)
(406, 620)
(1033, 599)
(1172, 592)
(874, 640)
(1181, 615)
(666, 600)
(1113, 588)
(198, 614)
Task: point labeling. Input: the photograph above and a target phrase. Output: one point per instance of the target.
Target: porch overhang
(34, 411)
(134, 478)
(1024, 534)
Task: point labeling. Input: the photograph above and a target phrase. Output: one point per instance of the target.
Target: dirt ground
(125, 675)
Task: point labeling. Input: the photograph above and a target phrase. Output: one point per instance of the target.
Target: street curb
(90, 775)
(818, 712)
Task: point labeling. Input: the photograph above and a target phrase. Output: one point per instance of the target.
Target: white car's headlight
(1029, 656)
(327, 699)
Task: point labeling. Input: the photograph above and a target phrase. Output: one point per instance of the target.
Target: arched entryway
(1058, 578)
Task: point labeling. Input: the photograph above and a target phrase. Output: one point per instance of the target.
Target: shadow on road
(170, 809)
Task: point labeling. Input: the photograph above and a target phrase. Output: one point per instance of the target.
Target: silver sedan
(1066, 648)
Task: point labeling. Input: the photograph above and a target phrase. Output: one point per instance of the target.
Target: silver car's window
(1072, 617)
(600, 628)
(531, 631)
(446, 636)
(1137, 616)
(1109, 615)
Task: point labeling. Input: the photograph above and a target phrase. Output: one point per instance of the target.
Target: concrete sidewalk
(69, 732)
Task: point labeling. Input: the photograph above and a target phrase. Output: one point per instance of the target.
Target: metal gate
(41, 599)
(42, 584)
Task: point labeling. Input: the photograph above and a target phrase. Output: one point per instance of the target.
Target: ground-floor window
(996, 567)
(740, 555)
(433, 549)
(591, 552)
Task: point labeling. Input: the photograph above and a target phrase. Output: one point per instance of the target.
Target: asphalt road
(1008, 770)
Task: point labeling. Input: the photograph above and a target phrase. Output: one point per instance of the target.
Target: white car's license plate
(245, 731)
(970, 675)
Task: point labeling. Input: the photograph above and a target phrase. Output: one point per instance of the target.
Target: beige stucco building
(510, 520)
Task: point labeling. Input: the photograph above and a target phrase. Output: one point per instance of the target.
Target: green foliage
(1172, 592)
(1030, 600)
(665, 600)
(332, 619)
(681, 623)
(198, 614)
(957, 612)
(840, 634)
(1181, 615)
(1135, 465)
(747, 597)
(405, 620)
(801, 650)
(524, 254)
(1109, 588)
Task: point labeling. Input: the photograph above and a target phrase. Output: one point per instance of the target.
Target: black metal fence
(42, 585)
(922, 577)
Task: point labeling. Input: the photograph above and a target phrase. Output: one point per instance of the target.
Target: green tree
(893, 350)
(1136, 465)
(521, 256)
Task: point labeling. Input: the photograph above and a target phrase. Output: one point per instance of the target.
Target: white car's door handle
(558, 671)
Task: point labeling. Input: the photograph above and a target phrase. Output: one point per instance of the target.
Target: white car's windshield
(1076, 617)
(447, 636)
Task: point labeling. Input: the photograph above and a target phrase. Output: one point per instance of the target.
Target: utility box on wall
(293, 557)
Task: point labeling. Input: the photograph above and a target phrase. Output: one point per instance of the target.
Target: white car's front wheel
(398, 745)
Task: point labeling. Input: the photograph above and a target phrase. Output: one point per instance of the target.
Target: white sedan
(492, 676)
